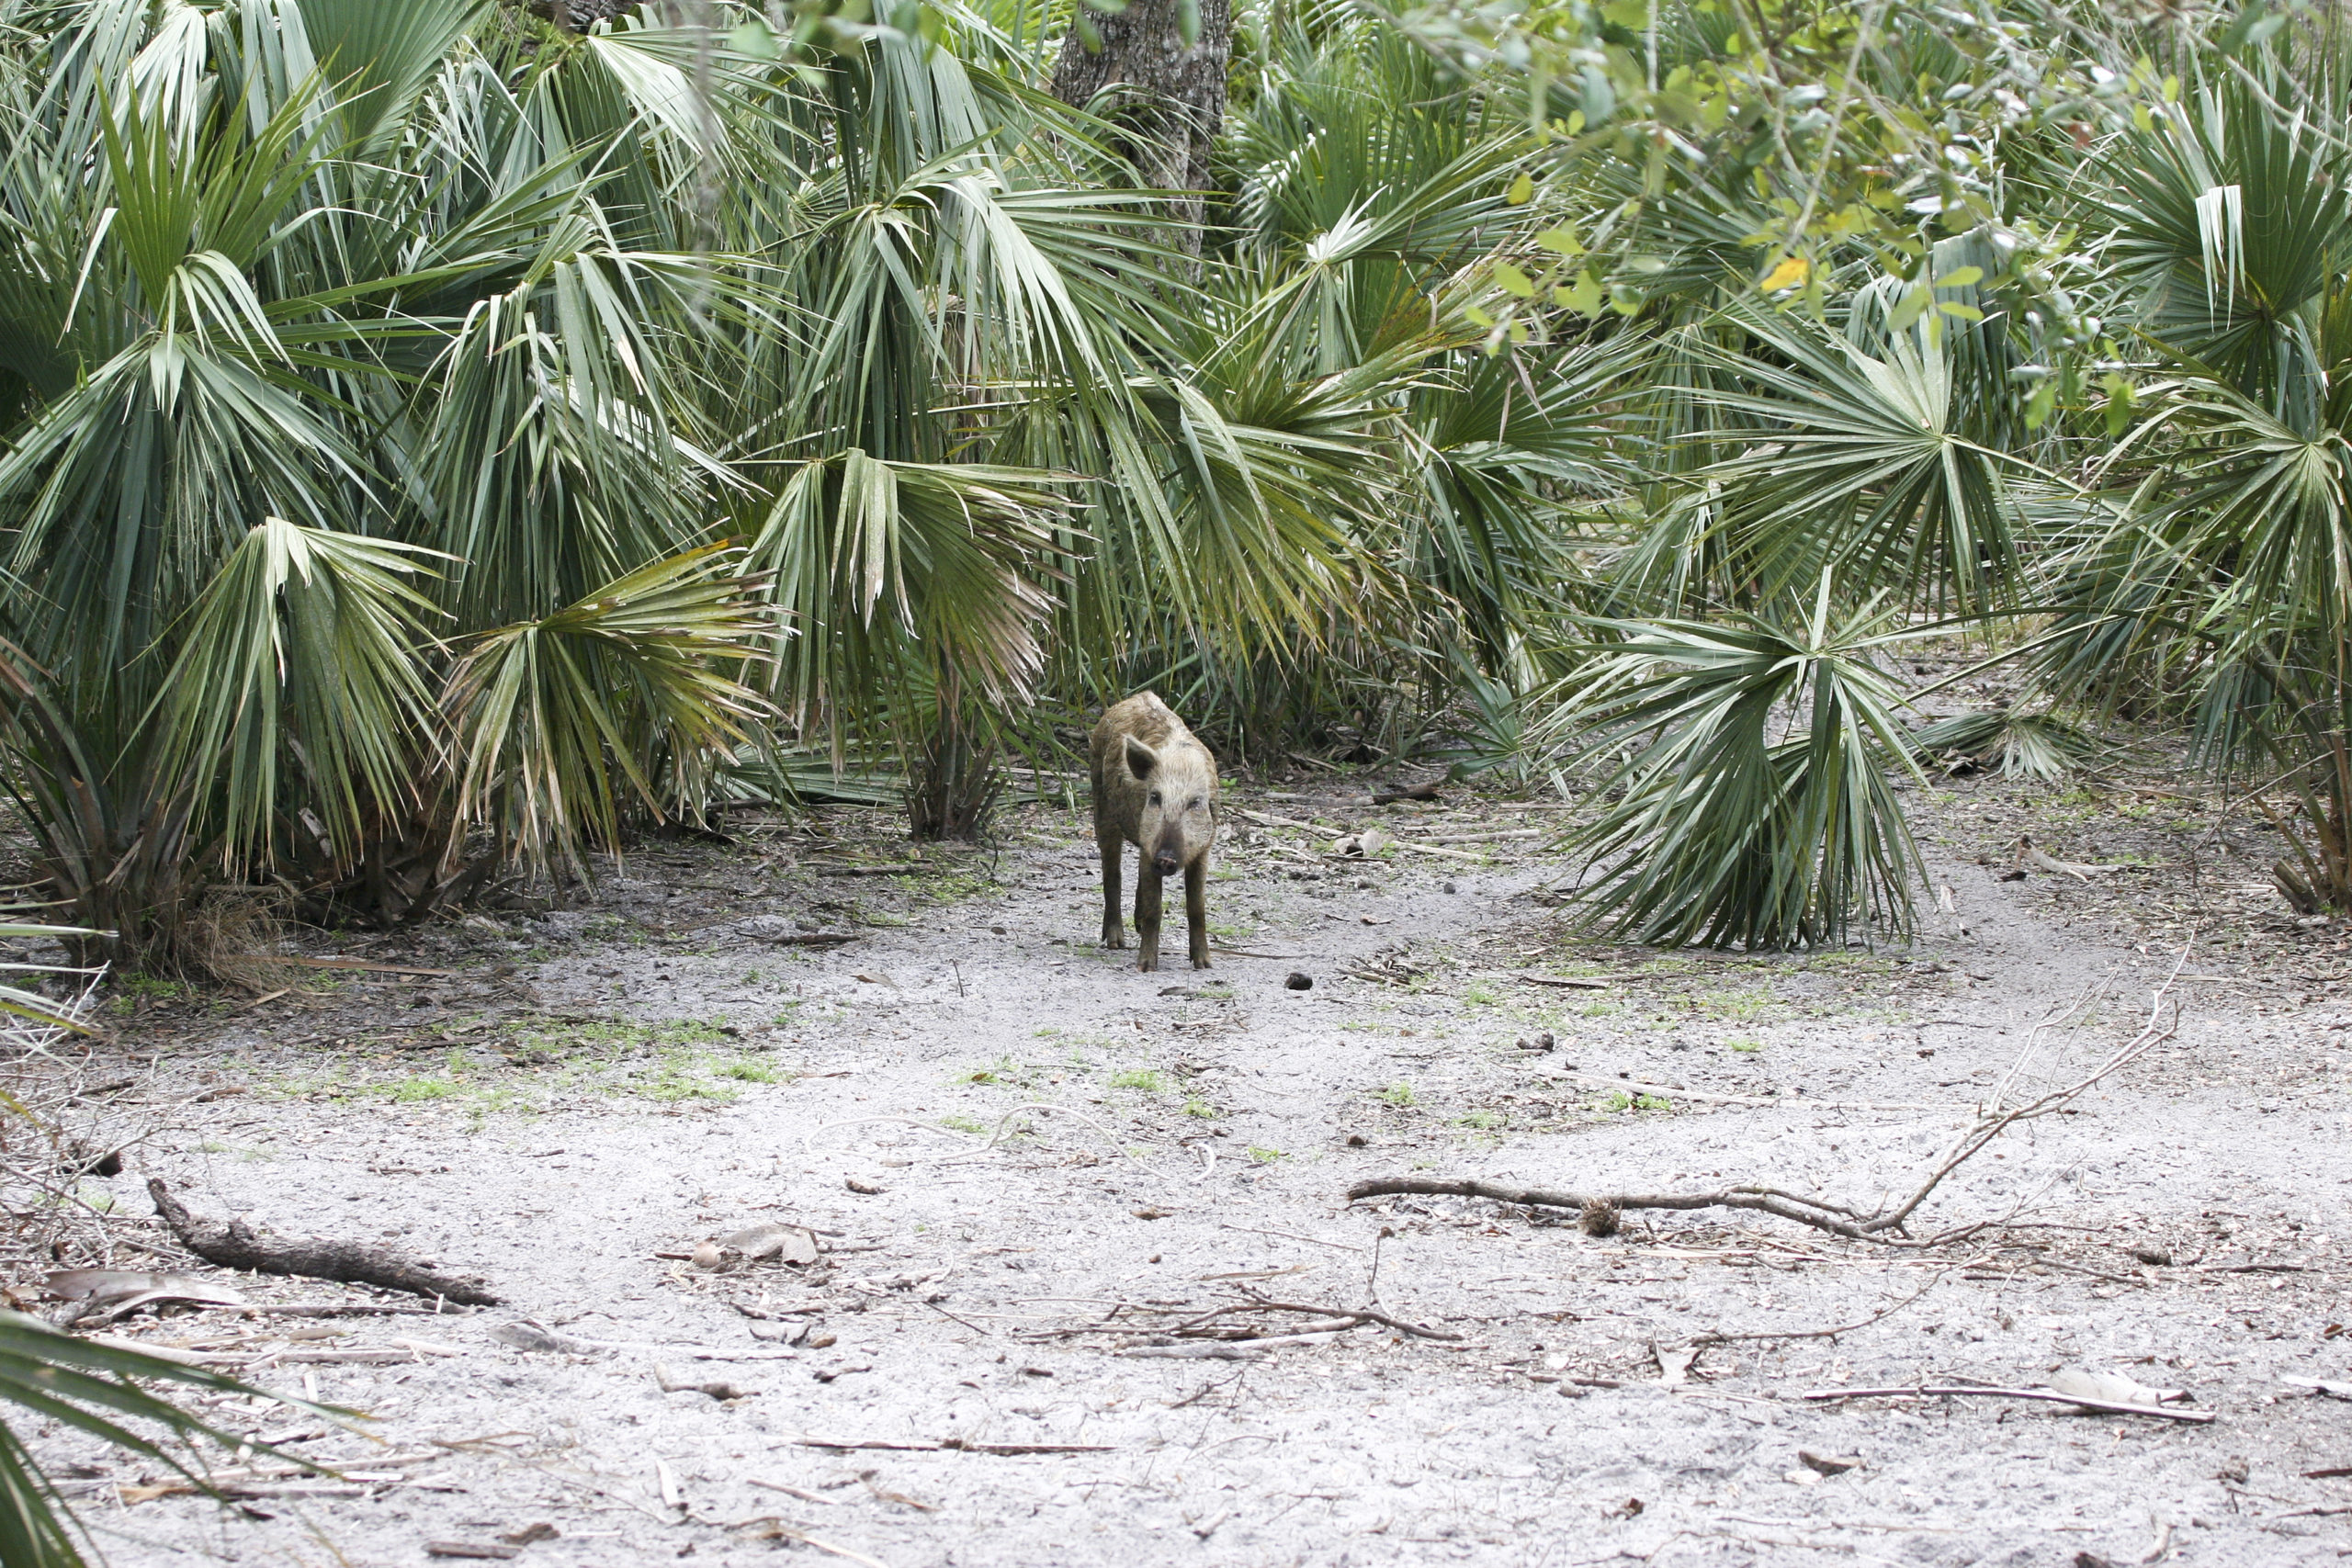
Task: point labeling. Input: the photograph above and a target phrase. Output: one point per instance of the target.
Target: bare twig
(1883, 1313)
(1359, 1315)
(361, 964)
(2044, 1395)
(774, 1529)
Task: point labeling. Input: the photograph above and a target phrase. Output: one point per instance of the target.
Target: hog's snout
(1165, 864)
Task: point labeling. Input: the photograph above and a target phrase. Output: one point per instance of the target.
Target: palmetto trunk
(953, 782)
(1175, 93)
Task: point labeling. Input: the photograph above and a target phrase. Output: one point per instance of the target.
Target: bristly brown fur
(1155, 787)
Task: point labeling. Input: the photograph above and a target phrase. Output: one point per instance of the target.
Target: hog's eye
(1196, 806)
(1155, 798)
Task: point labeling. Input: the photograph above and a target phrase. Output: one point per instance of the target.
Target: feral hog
(1155, 787)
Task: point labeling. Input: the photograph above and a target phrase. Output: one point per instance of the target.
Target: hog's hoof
(1147, 964)
(1114, 938)
(1200, 964)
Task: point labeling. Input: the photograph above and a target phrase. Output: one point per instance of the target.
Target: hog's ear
(1141, 759)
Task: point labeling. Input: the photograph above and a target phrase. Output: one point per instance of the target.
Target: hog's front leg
(1147, 916)
(1196, 909)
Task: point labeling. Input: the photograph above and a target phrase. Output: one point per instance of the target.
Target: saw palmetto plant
(438, 440)
(329, 354)
(1754, 806)
(95, 1390)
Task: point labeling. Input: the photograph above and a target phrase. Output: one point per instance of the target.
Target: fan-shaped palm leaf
(1724, 834)
(561, 719)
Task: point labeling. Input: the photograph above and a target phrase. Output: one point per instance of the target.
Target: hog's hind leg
(1114, 933)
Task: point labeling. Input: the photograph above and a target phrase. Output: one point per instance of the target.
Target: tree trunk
(1174, 92)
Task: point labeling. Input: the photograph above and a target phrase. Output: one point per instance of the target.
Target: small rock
(1449, 887)
(1541, 1041)
(865, 1189)
(1299, 980)
(2154, 1256)
(823, 1341)
(1357, 1140)
(1827, 1464)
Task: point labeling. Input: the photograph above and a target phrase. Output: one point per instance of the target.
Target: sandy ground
(1028, 1162)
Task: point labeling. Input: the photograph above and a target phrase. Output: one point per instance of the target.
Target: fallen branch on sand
(2045, 1395)
(954, 1445)
(1716, 1336)
(361, 964)
(1884, 1227)
(237, 1245)
(1212, 1336)
(1348, 1318)
(770, 1527)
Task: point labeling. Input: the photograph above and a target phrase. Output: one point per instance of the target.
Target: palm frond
(1755, 809)
(623, 698)
(302, 654)
(1860, 464)
(88, 1388)
(2022, 745)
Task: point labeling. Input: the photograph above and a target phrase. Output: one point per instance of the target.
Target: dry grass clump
(233, 938)
(56, 1127)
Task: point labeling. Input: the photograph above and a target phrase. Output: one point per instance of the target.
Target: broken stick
(2045, 1395)
(1835, 1218)
(237, 1245)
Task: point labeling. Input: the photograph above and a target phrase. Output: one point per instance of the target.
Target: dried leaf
(786, 1244)
(123, 1290)
(2113, 1388)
